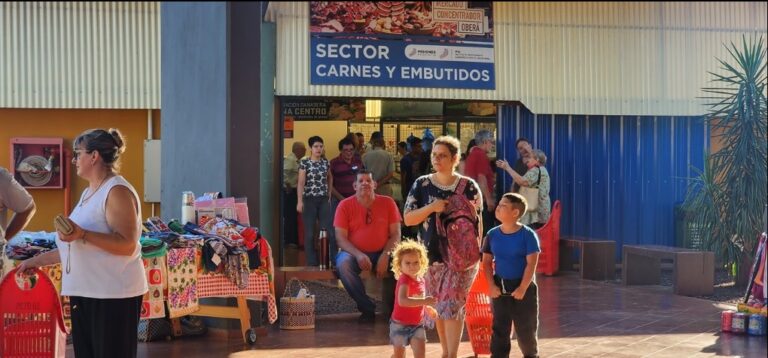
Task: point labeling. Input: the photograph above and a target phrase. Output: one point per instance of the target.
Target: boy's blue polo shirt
(510, 250)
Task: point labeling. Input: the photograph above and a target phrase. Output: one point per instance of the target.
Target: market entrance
(398, 122)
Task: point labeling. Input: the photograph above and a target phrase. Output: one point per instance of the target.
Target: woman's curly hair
(410, 247)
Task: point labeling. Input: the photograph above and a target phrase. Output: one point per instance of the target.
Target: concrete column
(195, 101)
(211, 107)
(271, 145)
(211, 102)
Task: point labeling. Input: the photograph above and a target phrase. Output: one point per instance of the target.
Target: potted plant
(728, 198)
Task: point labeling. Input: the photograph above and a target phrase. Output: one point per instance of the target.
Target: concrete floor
(578, 318)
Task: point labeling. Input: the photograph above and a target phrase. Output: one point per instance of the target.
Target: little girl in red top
(409, 263)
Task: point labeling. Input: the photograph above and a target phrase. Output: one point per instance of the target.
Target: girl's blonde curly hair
(410, 247)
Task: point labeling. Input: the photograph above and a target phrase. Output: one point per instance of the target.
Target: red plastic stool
(549, 238)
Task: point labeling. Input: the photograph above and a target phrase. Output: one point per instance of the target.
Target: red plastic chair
(32, 321)
(549, 238)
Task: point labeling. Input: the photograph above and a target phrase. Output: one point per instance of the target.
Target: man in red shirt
(367, 229)
(478, 167)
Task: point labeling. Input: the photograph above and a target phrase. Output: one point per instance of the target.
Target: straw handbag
(296, 313)
(531, 194)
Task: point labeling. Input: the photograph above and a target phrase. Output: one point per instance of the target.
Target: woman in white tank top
(102, 270)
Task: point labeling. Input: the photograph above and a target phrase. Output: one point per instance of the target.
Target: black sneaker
(367, 317)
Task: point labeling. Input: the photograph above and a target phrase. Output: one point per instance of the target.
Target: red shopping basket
(479, 322)
(32, 321)
(479, 318)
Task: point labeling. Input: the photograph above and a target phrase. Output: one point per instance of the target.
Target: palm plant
(728, 197)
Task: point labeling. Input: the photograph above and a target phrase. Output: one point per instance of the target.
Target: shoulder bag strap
(461, 186)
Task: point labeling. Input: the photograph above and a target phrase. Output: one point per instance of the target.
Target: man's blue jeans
(349, 274)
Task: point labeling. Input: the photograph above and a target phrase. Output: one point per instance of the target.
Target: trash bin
(687, 233)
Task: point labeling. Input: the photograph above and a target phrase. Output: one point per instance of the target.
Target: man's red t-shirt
(367, 237)
(478, 163)
(411, 316)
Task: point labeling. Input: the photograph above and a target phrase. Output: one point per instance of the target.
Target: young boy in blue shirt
(514, 248)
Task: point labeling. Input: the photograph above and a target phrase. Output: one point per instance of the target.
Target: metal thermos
(322, 242)
(188, 208)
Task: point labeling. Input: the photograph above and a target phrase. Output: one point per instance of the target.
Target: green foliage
(728, 197)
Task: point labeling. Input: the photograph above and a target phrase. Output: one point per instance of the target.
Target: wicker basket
(296, 313)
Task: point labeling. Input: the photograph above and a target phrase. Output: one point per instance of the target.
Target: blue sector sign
(336, 61)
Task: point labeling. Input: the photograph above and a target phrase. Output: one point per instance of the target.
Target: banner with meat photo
(440, 44)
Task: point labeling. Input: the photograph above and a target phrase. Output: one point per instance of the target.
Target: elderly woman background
(425, 201)
(536, 176)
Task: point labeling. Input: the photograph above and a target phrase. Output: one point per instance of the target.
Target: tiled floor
(577, 319)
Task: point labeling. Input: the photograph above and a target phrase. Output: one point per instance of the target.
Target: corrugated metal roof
(639, 58)
(80, 55)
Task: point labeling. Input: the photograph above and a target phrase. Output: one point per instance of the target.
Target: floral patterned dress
(316, 184)
(447, 286)
(541, 215)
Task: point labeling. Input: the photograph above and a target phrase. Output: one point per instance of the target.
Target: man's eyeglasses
(368, 217)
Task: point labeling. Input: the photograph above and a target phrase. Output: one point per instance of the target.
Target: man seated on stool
(367, 229)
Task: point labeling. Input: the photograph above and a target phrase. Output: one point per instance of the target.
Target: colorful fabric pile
(29, 244)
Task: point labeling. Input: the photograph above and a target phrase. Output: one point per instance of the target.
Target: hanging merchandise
(754, 297)
(182, 282)
(153, 302)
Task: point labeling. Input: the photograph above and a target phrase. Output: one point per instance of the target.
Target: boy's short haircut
(518, 202)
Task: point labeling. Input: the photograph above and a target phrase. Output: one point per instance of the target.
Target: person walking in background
(15, 198)
(290, 182)
(102, 270)
(478, 167)
(360, 144)
(524, 151)
(402, 149)
(315, 181)
(425, 202)
(413, 165)
(369, 145)
(463, 162)
(344, 169)
(537, 176)
(510, 255)
(379, 162)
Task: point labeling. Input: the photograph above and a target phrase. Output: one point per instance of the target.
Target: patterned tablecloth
(207, 285)
(258, 288)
